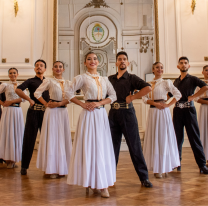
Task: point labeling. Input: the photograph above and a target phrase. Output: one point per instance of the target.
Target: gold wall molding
(55, 29)
(157, 31)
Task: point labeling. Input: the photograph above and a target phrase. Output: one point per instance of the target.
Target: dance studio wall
(29, 35)
(182, 33)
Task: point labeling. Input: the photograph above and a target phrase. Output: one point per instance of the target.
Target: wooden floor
(187, 187)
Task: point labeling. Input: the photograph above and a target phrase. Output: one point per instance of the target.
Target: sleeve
(24, 85)
(43, 87)
(138, 83)
(199, 82)
(26, 93)
(76, 84)
(145, 98)
(67, 85)
(3, 87)
(173, 90)
(197, 98)
(110, 90)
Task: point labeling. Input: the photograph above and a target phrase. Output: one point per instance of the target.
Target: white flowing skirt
(93, 160)
(160, 144)
(11, 133)
(55, 144)
(203, 127)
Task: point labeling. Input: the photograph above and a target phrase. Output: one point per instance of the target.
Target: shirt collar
(157, 80)
(125, 75)
(188, 75)
(38, 77)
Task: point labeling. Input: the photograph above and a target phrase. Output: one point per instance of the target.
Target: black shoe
(179, 168)
(23, 171)
(146, 183)
(203, 170)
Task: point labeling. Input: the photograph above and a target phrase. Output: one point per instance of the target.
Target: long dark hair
(14, 69)
(91, 52)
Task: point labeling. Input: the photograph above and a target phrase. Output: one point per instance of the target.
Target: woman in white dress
(203, 114)
(93, 161)
(12, 122)
(55, 144)
(160, 144)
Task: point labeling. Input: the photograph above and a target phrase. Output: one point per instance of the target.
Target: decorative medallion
(97, 32)
(97, 4)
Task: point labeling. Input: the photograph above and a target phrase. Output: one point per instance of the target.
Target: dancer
(93, 161)
(184, 113)
(55, 139)
(122, 115)
(160, 145)
(2, 98)
(12, 122)
(34, 114)
(203, 114)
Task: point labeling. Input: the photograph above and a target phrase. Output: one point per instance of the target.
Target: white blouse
(205, 95)
(162, 87)
(10, 94)
(88, 85)
(54, 88)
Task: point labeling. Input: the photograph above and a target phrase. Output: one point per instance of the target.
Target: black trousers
(33, 123)
(124, 121)
(187, 117)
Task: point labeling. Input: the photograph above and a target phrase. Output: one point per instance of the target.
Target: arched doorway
(99, 34)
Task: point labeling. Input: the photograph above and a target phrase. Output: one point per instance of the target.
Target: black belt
(204, 98)
(39, 107)
(157, 100)
(95, 100)
(15, 105)
(64, 106)
(122, 105)
(184, 104)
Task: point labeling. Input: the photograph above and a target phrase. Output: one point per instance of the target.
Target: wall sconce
(16, 7)
(193, 6)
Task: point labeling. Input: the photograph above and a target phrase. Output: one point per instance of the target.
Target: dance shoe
(53, 176)
(95, 191)
(105, 193)
(179, 168)
(146, 183)
(10, 165)
(158, 175)
(203, 170)
(23, 171)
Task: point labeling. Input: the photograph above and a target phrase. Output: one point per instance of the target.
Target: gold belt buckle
(116, 105)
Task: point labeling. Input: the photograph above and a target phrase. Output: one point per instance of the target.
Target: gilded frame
(55, 14)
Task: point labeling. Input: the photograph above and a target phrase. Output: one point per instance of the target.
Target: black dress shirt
(187, 86)
(2, 96)
(126, 84)
(32, 84)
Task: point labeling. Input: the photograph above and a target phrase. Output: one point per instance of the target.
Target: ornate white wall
(183, 33)
(28, 35)
(132, 20)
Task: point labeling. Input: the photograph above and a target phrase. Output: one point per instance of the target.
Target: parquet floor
(187, 187)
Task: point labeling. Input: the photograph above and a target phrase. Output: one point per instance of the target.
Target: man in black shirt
(184, 113)
(122, 116)
(2, 98)
(34, 114)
